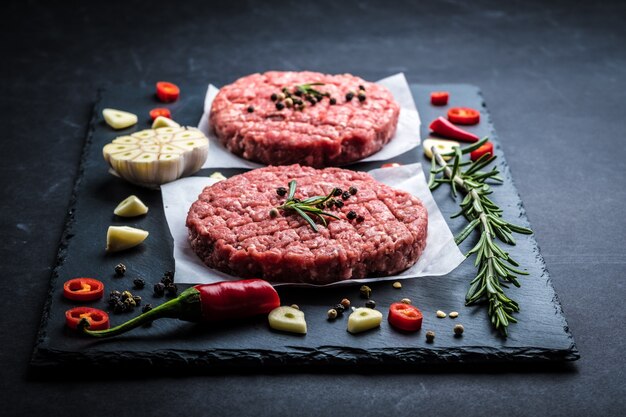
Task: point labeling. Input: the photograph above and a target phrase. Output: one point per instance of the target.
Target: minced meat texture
(248, 124)
(231, 229)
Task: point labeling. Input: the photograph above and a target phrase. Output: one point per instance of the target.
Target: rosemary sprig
(496, 269)
(308, 90)
(309, 205)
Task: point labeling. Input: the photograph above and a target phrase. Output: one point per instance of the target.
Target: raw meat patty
(231, 230)
(319, 135)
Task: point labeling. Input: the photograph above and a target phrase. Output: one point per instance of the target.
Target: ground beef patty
(230, 227)
(249, 124)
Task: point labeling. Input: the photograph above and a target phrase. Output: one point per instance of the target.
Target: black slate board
(542, 333)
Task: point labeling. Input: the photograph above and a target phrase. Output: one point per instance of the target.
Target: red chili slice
(439, 98)
(391, 165)
(160, 111)
(486, 148)
(167, 92)
(405, 317)
(83, 289)
(463, 116)
(98, 319)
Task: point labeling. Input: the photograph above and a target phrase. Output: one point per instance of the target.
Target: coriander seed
(406, 301)
(332, 314)
(397, 285)
(458, 330)
(453, 314)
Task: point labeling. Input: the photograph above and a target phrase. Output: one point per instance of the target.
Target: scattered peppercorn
(250, 109)
(119, 307)
(298, 92)
(120, 270)
(406, 301)
(333, 101)
(365, 291)
(361, 97)
(274, 97)
(370, 304)
(281, 191)
(330, 203)
(126, 295)
(361, 87)
(458, 330)
(137, 299)
(115, 294)
(280, 105)
(295, 306)
(320, 206)
(339, 203)
(339, 308)
(397, 285)
(332, 314)
(146, 308)
(345, 303)
(351, 215)
(345, 195)
(159, 289)
(167, 280)
(349, 96)
(171, 289)
(337, 192)
(360, 218)
(139, 283)
(353, 190)
(430, 336)
(169, 274)
(130, 303)
(280, 97)
(288, 102)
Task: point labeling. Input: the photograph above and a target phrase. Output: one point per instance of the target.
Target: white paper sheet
(407, 134)
(440, 256)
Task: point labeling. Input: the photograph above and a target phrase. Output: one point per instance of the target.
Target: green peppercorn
(159, 289)
(345, 195)
(280, 105)
(130, 303)
(353, 190)
(365, 291)
(250, 109)
(370, 304)
(274, 97)
(333, 101)
(120, 270)
(337, 192)
(351, 215)
(349, 96)
(139, 283)
(126, 295)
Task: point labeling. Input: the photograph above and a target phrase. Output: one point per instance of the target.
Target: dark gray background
(553, 78)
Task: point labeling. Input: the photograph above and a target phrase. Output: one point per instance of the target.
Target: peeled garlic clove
(164, 122)
(119, 119)
(287, 319)
(217, 176)
(442, 146)
(153, 157)
(130, 207)
(124, 237)
(363, 319)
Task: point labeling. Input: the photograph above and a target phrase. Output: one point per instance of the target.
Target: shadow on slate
(541, 337)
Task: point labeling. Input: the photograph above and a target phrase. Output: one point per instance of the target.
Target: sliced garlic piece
(130, 207)
(287, 319)
(119, 119)
(124, 237)
(164, 122)
(153, 157)
(363, 319)
(217, 176)
(442, 146)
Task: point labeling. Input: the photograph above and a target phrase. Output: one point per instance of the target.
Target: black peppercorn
(361, 87)
(353, 190)
(273, 213)
(339, 203)
(351, 215)
(330, 203)
(274, 97)
(349, 96)
(159, 289)
(171, 289)
(320, 206)
(139, 283)
(345, 195)
(333, 101)
(319, 98)
(169, 274)
(360, 218)
(281, 191)
(337, 192)
(298, 92)
(370, 304)
(119, 307)
(120, 270)
(250, 109)
(166, 280)
(297, 101)
(361, 97)
(137, 299)
(115, 294)
(146, 308)
(340, 308)
(280, 106)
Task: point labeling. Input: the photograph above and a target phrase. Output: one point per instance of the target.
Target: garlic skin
(153, 157)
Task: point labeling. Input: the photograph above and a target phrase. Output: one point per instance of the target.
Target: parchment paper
(407, 134)
(439, 258)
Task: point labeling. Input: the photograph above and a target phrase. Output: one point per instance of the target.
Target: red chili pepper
(221, 301)
(486, 148)
(97, 319)
(390, 165)
(405, 317)
(160, 111)
(446, 129)
(463, 116)
(83, 289)
(167, 92)
(439, 98)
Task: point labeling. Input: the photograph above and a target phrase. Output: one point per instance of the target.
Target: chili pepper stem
(187, 306)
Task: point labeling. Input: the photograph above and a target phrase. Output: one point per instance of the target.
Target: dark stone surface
(553, 76)
(541, 335)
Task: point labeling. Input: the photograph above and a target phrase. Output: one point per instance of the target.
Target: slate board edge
(506, 172)
(67, 230)
(341, 356)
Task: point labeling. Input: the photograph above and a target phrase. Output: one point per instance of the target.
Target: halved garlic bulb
(153, 157)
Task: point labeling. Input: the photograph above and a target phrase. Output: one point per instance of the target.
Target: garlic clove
(287, 319)
(164, 122)
(363, 319)
(124, 237)
(119, 119)
(130, 207)
(442, 146)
